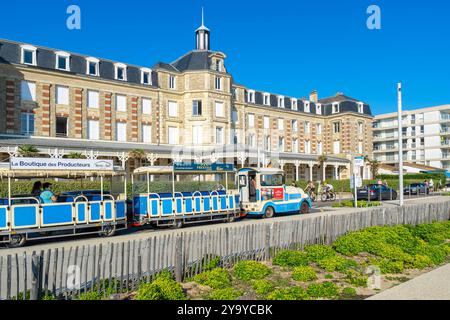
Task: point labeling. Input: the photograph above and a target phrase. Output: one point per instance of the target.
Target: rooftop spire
(202, 35)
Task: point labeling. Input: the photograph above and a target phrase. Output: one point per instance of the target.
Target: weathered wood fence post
(179, 263)
(35, 277)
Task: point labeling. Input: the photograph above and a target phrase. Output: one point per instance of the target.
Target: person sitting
(47, 196)
(37, 189)
(328, 187)
(252, 189)
(311, 188)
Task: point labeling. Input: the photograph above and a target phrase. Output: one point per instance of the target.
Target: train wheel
(269, 213)
(230, 219)
(304, 208)
(108, 231)
(17, 241)
(178, 224)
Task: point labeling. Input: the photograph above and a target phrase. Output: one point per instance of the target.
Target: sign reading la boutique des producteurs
(60, 164)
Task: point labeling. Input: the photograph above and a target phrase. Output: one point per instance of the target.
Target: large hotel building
(188, 110)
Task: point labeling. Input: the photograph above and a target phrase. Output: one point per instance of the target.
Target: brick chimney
(313, 96)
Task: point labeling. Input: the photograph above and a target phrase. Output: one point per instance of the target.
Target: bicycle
(328, 195)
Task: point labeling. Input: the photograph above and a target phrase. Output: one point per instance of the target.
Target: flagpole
(400, 144)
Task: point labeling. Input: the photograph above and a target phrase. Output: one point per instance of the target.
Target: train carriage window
(272, 180)
(242, 181)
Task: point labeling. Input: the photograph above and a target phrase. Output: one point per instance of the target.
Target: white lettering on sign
(60, 164)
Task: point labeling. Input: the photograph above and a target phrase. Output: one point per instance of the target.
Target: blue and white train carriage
(263, 193)
(181, 208)
(25, 217)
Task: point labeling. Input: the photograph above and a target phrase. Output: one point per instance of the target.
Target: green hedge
(23, 187)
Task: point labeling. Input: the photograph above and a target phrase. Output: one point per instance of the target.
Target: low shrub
(251, 270)
(90, 295)
(262, 286)
(294, 293)
(304, 274)
(164, 287)
(336, 263)
(355, 278)
(348, 293)
(224, 294)
(323, 290)
(434, 233)
(360, 204)
(290, 258)
(319, 252)
(217, 278)
(387, 266)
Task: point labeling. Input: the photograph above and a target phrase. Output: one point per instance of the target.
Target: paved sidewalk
(434, 285)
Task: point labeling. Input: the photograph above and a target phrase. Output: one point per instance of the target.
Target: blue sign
(203, 167)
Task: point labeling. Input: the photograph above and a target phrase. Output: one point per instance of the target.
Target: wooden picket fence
(114, 268)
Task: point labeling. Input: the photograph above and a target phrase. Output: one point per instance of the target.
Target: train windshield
(272, 180)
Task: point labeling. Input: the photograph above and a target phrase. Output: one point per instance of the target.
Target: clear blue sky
(288, 47)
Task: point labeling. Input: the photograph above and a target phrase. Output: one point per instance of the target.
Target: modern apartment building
(426, 137)
(188, 110)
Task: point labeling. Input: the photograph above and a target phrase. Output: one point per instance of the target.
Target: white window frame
(280, 124)
(294, 104)
(307, 146)
(218, 83)
(338, 126)
(96, 105)
(307, 106)
(172, 82)
(266, 96)
(149, 72)
(58, 97)
(307, 127)
(97, 66)
(31, 89)
(319, 128)
(360, 107)
(280, 100)
(66, 56)
(251, 120)
(118, 66)
(295, 145)
(170, 112)
(89, 129)
(28, 116)
(319, 147)
(251, 96)
(173, 140)
(318, 108)
(33, 50)
(222, 135)
(197, 134)
(147, 138)
(123, 136)
(335, 108)
(294, 125)
(360, 128)
(281, 143)
(222, 113)
(125, 99)
(146, 109)
(266, 121)
(338, 144)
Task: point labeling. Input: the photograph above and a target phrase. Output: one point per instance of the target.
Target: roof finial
(203, 17)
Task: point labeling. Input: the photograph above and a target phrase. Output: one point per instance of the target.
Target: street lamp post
(400, 144)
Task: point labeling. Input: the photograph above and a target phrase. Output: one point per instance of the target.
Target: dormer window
(29, 55)
(218, 66)
(120, 72)
(172, 82)
(307, 106)
(266, 99)
(92, 66)
(318, 108)
(294, 104)
(280, 102)
(146, 76)
(335, 108)
(62, 61)
(251, 96)
(360, 107)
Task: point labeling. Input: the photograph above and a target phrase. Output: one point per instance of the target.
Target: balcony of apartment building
(445, 130)
(445, 117)
(385, 136)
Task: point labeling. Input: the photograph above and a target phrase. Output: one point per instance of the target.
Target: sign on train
(18, 163)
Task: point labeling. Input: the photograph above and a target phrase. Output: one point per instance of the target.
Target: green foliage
(329, 276)
(336, 263)
(360, 204)
(217, 278)
(75, 155)
(417, 177)
(294, 293)
(251, 270)
(356, 278)
(348, 293)
(90, 295)
(262, 286)
(29, 151)
(319, 252)
(304, 274)
(162, 288)
(290, 258)
(387, 266)
(224, 294)
(323, 290)
(214, 262)
(434, 233)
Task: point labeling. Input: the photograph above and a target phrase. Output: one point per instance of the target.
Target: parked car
(416, 188)
(376, 192)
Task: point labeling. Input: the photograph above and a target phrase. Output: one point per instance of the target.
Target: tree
(139, 155)
(28, 151)
(75, 155)
(374, 166)
(322, 159)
